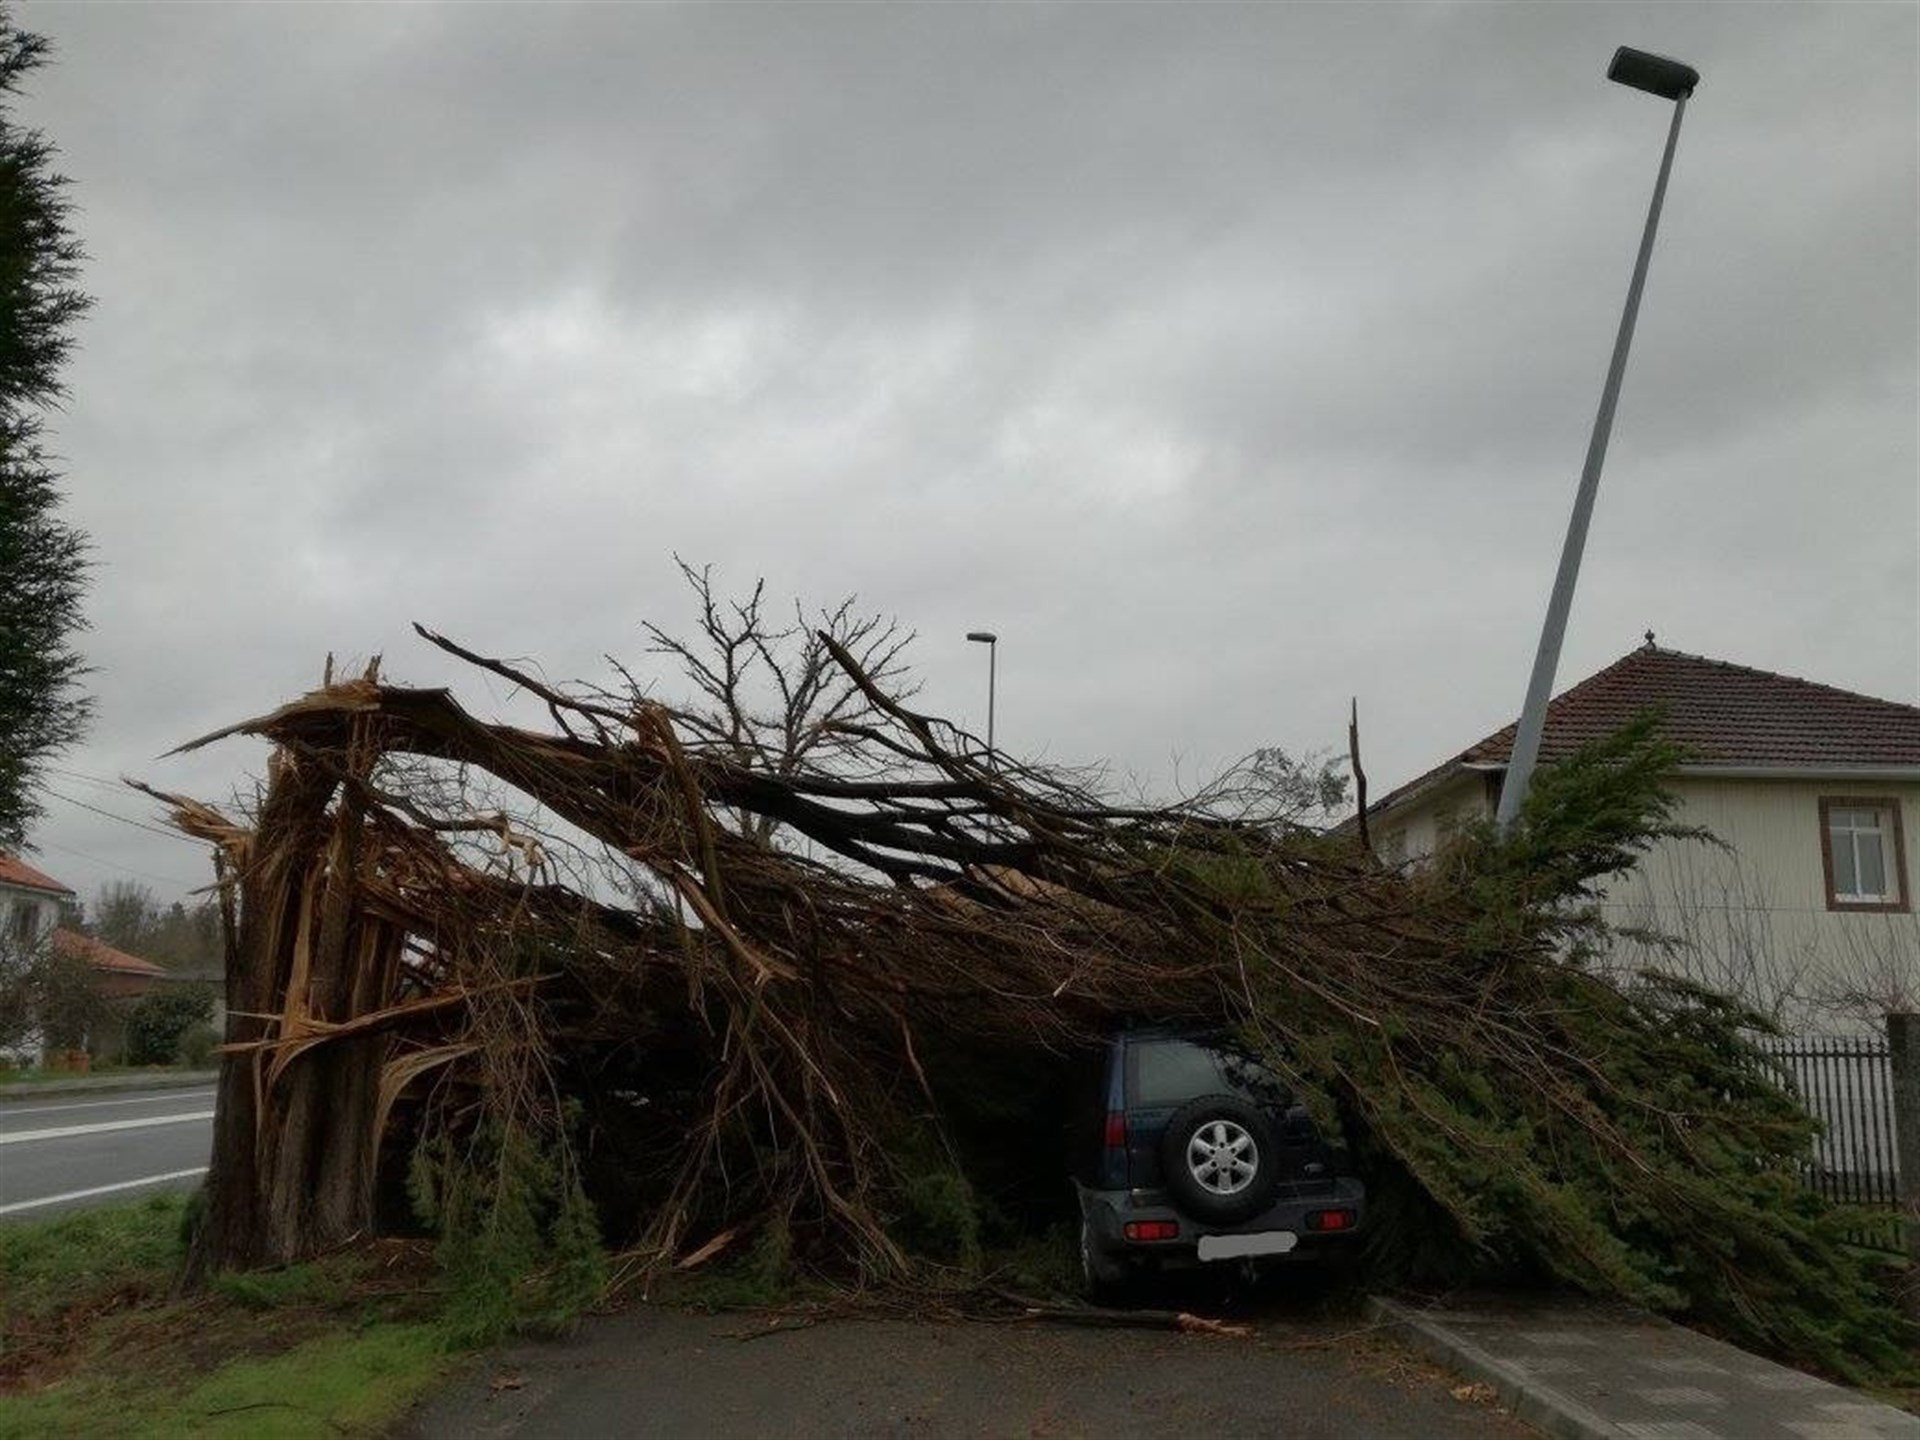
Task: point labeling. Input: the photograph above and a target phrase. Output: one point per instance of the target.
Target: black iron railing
(1847, 1085)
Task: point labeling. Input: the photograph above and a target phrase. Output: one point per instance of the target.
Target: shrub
(196, 1047)
(519, 1245)
(159, 1021)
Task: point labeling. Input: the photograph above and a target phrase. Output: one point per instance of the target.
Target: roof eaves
(1421, 784)
(1897, 773)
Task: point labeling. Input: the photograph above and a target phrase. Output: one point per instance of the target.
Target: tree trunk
(294, 1151)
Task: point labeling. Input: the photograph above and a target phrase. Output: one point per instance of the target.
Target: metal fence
(1847, 1085)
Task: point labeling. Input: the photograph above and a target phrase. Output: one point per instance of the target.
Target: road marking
(7, 1108)
(101, 1190)
(67, 1131)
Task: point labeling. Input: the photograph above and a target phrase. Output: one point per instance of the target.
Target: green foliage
(1630, 1140)
(42, 558)
(519, 1244)
(1043, 1265)
(159, 1020)
(196, 1048)
(49, 993)
(761, 1275)
(940, 1217)
(1587, 820)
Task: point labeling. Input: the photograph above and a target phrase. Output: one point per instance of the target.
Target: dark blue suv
(1188, 1153)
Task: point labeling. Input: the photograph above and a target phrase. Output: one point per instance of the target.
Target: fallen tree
(698, 982)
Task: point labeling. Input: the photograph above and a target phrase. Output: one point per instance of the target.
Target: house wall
(27, 916)
(1753, 915)
(1411, 832)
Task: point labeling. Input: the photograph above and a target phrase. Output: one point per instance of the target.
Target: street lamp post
(992, 642)
(1673, 81)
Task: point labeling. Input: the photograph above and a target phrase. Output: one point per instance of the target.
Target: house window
(23, 922)
(1864, 853)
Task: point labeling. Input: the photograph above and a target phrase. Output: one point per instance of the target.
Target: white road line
(19, 1205)
(67, 1131)
(7, 1108)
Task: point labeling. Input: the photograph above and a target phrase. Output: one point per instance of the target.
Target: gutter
(1843, 774)
(1908, 774)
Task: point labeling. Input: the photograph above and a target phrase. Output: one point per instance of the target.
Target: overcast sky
(1228, 361)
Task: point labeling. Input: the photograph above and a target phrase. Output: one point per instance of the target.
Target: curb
(1539, 1405)
(106, 1085)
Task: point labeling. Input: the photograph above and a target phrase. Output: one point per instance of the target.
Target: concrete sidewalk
(24, 1090)
(1589, 1371)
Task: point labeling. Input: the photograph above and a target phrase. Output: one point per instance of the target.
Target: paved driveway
(660, 1372)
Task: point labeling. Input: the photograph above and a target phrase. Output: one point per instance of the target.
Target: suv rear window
(1170, 1072)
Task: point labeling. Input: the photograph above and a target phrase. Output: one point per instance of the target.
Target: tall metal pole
(1533, 715)
(993, 666)
(992, 642)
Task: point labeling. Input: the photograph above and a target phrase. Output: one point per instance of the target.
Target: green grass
(355, 1382)
(91, 1343)
(35, 1075)
(47, 1265)
(326, 1283)
(351, 1382)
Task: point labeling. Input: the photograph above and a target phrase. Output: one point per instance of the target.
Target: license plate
(1236, 1247)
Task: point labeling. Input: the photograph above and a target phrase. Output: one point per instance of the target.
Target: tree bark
(294, 1152)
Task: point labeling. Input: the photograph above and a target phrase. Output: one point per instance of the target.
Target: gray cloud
(1227, 360)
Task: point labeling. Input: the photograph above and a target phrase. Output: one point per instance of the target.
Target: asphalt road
(654, 1371)
(70, 1151)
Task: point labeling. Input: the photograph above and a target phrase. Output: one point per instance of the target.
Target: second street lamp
(1670, 80)
(992, 642)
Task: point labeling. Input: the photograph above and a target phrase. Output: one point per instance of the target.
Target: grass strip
(92, 1343)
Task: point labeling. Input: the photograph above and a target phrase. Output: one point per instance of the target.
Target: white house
(1808, 910)
(30, 906)
(29, 914)
(29, 903)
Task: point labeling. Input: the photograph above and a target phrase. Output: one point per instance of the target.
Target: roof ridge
(15, 871)
(95, 951)
(1763, 674)
(1798, 723)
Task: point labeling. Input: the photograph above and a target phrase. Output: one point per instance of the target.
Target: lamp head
(985, 637)
(1655, 74)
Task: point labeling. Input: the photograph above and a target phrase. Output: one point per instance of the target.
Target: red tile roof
(1725, 714)
(102, 956)
(15, 871)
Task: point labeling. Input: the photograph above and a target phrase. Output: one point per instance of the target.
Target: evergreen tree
(42, 558)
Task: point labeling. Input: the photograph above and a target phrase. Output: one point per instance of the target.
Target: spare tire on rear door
(1220, 1159)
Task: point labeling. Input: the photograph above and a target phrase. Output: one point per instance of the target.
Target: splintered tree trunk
(294, 1149)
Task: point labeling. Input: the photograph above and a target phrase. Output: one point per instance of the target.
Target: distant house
(31, 904)
(1808, 911)
(117, 974)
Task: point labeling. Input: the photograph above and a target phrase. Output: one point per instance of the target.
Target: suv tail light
(1116, 1130)
(1331, 1220)
(1152, 1230)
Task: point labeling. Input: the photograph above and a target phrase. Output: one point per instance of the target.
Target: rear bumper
(1108, 1212)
